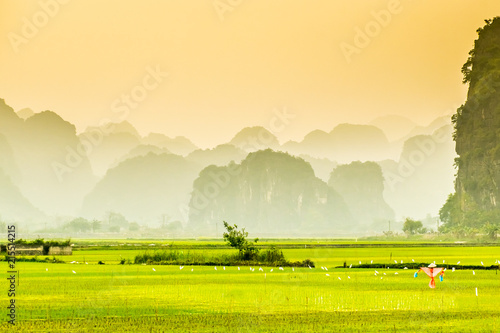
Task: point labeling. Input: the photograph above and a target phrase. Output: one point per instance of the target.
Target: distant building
(39, 250)
(60, 251)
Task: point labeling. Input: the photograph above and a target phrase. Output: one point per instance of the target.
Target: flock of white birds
(293, 269)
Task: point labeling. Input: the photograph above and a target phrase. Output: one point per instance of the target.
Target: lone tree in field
(412, 227)
(238, 239)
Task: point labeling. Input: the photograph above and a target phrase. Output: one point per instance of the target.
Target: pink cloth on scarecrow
(432, 272)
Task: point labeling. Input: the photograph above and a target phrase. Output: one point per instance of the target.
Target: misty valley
(250, 166)
(350, 181)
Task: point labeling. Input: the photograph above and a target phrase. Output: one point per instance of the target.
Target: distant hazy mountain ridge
(269, 192)
(362, 187)
(317, 186)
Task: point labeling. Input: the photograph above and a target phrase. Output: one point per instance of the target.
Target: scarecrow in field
(432, 271)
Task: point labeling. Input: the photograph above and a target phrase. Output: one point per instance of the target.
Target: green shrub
(270, 257)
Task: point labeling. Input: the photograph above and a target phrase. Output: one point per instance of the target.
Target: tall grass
(268, 257)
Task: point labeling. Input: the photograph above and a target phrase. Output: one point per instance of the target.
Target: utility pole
(165, 218)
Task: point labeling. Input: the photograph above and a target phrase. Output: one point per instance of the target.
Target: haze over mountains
(352, 179)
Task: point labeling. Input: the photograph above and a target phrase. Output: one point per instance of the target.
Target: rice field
(86, 297)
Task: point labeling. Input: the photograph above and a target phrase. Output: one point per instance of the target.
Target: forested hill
(476, 201)
(269, 193)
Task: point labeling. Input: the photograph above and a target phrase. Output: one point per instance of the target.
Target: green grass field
(328, 256)
(138, 298)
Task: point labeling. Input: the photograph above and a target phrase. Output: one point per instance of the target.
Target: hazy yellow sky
(230, 63)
